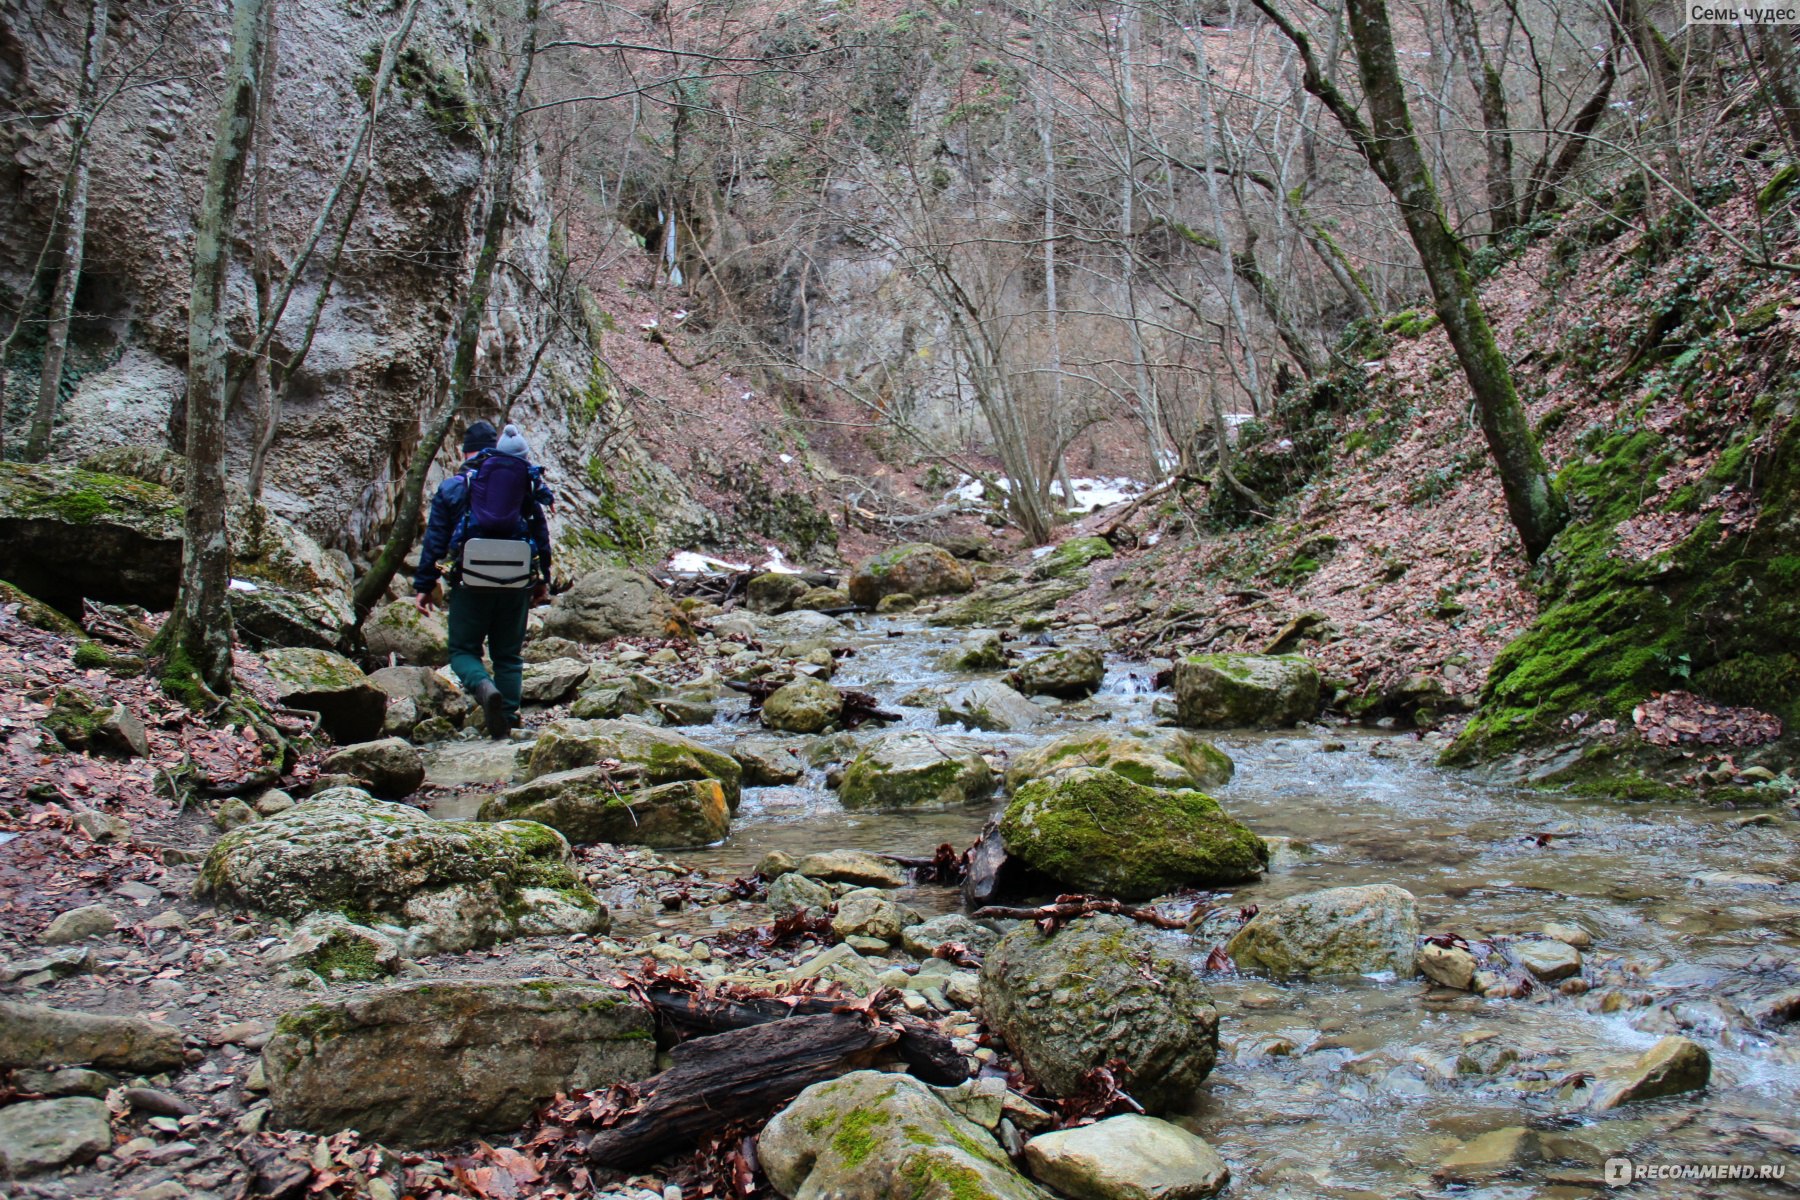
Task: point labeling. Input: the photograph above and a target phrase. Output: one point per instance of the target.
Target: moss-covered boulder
(914, 569)
(438, 1060)
(1093, 830)
(29, 610)
(351, 708)
(1159, 758)
(1339, 931)
(611, 602)
(426, 691)
(823, 599)
(907, 769)
(649, 756)
(389, 767)
(402, 631)
(1071, 673)
(593, 804)
(1072, 559)
(1097, 989)
(774, 591)
(67, 534)
(982, 650)
(803, 705)
(453, 885)
(1245, 691)
(875, 1135)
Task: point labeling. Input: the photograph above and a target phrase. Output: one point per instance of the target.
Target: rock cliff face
(352, 418)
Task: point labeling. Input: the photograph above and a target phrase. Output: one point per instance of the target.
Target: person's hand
(540, 594)
(422, 602)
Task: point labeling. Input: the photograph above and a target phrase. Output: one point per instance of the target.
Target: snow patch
(1090, 494)
(777, 565)
(689, 562)
(244, 585)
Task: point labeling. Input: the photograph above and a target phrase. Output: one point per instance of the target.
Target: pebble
(136, 892)
(170, 919)
(79, 923)
(1571, 935)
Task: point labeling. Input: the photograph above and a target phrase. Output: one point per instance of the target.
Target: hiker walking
(487, 526)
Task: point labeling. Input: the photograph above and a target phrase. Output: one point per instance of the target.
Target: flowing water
(1361, 1089)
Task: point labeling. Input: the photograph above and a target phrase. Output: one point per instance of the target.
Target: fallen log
(926, 1050)
(743, 1075)
(1050, 917)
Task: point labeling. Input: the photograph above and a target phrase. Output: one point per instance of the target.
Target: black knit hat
(481, 436)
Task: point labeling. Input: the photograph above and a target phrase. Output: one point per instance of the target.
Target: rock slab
(36, 1035)
(432, 1062)
(46, 1135)
(1128, 1157)
(1339, 931)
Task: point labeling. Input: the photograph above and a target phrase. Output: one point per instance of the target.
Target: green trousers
(497, 617)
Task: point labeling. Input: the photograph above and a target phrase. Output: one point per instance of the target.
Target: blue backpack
(492, 537)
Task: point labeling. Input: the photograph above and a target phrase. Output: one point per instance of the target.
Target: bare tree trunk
(1778, 79)
(1490, 89)
(262, 266)
(372, 586)
(1149, 407)
(74, 229)
(1046, 116)
(196, 640)
(1392, 150)
(1540, 190)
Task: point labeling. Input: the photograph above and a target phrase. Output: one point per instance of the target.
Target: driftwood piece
(1050, 917)
(986, 862)
(926, 1050)
(743, 1075)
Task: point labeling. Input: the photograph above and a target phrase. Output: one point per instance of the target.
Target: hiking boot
(493, 709)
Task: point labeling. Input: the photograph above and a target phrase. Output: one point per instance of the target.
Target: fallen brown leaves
(1679, 718)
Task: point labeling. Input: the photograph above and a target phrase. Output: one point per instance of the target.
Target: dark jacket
(447, 509)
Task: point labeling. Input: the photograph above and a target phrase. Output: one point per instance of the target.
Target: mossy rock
(907, 769)
(1338, 931)
(67, 534)
(914, 569)
(35, 613)
(457, 884)
(774, 591)
(803, 705)
(1159, 759)
(1003, 604)
(659, 755)
(982, 650)
(1245, 691)
(1092, 830)
(592, 804)
(1071, 673)
(401, 630)
(1072, 558)
(351, 708)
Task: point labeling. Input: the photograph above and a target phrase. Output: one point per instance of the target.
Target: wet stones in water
(454, 885)
(805, 705)
(601, 804)
(1340, 931)
(657, 755)
(768, 765)
(1068, 674)
(774, 592)
(908, 769)
(982, 650)
(950, 928)
(1673, 1066)
(1092, 830)
(428, 1063)
(990, 706)
(871, 1135)
(1160, 759)
(915, 569)
(857, 867)
(1245, 691)
(824, 599)
(1448, 966)
(389, 767)
(866, 913)
(1097, 989)
(793, 892)
(1548, 960)
(1127, 1157)
(350, 706)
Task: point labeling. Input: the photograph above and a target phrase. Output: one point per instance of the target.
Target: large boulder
(590, 804)
(655, 756)
(1072, 673)
(909, 769)
(350, 707)
(47, 1135)
(554, 681)
(1245, 691)
(1093, 830)
(1072, 559)
(873, 1135)
(453, 884)
(1004, 603)
(914, 569)
(982, 650)
(35, 1035)
(429, 693)
(990, 706)
(611, 602)
(774, 591)
(68, 534)
(1128, 1157)
(401, 631)
(803, 705)
(433, 1062)
(1097, 989)
(1163, 758)
(1673, 1065)
(390, 767)
(1339, 931)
